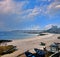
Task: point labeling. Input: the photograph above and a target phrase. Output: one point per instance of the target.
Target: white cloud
(31, 13)
(33, 27)
(42, 0)
(9, 6)
(50, 26)
(58, 6)
(53, 9)
(35, 12)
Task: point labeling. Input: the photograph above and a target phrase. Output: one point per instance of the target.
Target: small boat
(41, 53)
(29, 54)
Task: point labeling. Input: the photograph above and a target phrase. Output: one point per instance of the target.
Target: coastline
(31, 43)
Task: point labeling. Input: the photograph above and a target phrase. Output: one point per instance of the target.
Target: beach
(31, 43)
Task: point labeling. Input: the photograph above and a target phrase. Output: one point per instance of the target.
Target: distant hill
(28, 31)
(20, 31)
(53, 29)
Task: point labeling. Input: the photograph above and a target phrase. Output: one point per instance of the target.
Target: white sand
(31, 43)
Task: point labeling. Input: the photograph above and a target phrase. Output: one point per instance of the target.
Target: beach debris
(59, 37)
(42, 43)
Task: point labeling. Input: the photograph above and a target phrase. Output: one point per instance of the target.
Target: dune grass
(7, 49)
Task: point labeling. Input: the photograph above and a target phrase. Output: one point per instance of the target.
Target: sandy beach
(31, 43)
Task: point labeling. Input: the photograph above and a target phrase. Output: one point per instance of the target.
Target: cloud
(33, 27)
(58, 6)
(13, 7)
(43, 0)
(35, 12)
(53, 9)
(13, 11)
(31, 13)
(50, 10)
(50, 26)
(10, 6)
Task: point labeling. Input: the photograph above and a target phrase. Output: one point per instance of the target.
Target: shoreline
(34, 37)
(31, 43)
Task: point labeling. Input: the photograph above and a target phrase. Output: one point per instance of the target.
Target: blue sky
(29, 14)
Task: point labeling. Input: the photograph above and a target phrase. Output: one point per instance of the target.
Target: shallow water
(9, 35)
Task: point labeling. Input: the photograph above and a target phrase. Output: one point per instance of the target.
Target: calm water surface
(9, 35)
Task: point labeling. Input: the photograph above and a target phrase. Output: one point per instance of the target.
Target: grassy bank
(7, 49)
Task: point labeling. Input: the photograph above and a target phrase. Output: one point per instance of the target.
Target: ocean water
(15, 35)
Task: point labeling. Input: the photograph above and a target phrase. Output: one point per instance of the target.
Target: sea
(15, 35)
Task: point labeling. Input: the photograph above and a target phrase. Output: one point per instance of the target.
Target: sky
(29, 14)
